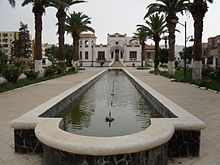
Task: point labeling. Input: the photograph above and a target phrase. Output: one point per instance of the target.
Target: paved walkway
(117, 64)
(15, 103)
(201, 103)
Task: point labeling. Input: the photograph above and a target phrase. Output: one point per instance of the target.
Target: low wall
(155, 156)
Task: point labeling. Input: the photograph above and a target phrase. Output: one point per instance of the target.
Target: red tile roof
(87, 35)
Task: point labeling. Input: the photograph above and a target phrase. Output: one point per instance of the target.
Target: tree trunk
(61, 15)
(198, 11)
(171, 57)
(142, 54)
(75, 50)
(157, 49)
(38, 12)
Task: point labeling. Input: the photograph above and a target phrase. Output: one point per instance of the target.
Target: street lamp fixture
(184, 57)
(186, 39)
(92, 52)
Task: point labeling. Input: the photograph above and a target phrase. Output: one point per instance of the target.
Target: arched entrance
(117, 52)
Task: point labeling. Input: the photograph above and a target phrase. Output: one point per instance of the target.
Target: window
(80, 55)
(80, 44)
(148, 54)
(5, 45)
(86, 55)
(210, 60)
(101, 55)
(121, 55)
(86, 43)
(5, 40)
(112, 55)
(5, 34)
(133, 54)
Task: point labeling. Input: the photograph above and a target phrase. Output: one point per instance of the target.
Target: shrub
(207, 70)
(61, 70)
(3, 61)
(217, 73)
(31, 74)
(12, 72)
(176, 63)
(51, 70)
(71, 69)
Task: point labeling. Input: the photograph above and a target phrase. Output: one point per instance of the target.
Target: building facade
(6, 40)
(119, 47)
(213, 51)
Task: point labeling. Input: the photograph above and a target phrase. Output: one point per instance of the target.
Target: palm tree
(38, 10)
(198, 9)
(12, 2)
(155, 27)
(76, 23)
(62, 6)
(141, 35)
(170, 8)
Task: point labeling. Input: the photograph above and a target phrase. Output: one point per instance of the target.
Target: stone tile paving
(201, 103)
(15, 103)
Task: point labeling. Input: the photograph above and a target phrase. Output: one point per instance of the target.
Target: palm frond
(26, 2)
(12, 2)
(77, 23)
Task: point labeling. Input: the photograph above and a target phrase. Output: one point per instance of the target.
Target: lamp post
(92, 53)
(184, 57)
(185, 53)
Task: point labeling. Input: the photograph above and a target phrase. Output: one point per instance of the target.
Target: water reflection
(113, 93)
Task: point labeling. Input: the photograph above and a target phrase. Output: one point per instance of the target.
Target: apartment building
(213, 51)
(6, 40)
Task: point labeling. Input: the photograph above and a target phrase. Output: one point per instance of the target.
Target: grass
(24, 82)
(179, 76)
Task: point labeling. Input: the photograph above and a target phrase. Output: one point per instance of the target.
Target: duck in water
(109, 118)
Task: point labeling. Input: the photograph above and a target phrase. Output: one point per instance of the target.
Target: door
(116, 55)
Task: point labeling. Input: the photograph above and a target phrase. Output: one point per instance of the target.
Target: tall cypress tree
(22, 45)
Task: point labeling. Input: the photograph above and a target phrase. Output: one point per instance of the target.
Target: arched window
(86, 43)
(112, 55)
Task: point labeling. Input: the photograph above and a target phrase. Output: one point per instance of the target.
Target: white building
(119, 47)
(6, 40)
(45, 60)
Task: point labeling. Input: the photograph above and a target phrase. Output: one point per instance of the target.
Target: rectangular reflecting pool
(134, 133)
(112, 93)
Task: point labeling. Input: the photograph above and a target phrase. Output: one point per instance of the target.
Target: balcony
(100, 59)
(214, 52)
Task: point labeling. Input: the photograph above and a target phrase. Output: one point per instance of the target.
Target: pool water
(114, 93)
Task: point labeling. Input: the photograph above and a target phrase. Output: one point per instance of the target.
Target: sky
(107, 16)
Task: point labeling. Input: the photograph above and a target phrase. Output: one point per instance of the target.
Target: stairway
(117, 64)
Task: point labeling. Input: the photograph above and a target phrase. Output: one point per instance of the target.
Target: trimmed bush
(207, 70)
(51, 70)
(12, 72)
(31, 74)
(61, 70)
(71, 69)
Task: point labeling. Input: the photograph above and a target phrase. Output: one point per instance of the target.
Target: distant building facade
(45, 60)
(119, 47)
(6, 40)
(212, 51)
